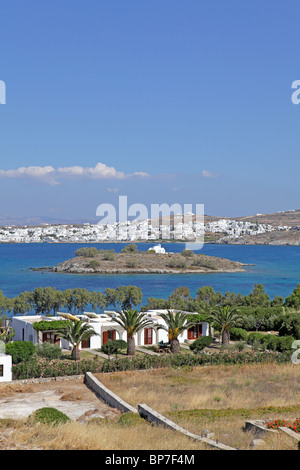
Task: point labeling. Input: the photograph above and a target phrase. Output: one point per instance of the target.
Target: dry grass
(218, 398)
(189, 396)
(101, 436)
(218, 387)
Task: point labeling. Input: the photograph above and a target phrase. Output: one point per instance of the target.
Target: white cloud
(45, 173)
(113, 190)
(208, 174)
(52, 176)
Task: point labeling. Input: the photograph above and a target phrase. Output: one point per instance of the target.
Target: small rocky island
(155, 260)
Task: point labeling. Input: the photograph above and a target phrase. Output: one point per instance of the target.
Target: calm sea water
(276, 267)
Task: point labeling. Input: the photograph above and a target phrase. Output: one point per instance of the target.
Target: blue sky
(163, 101)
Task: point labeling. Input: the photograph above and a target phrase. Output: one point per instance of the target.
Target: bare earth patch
(71, 397)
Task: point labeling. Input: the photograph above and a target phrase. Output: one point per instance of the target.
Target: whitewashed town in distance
(137, 230)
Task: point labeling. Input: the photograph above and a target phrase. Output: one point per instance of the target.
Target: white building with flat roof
(106, 328)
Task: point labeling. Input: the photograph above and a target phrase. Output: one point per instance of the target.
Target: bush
(130, 419)
(255, 337)
(49, 351)
(204, 263)
(132, 248)
(114, 346)
(131, 263)
(200, 343)
(87, 252)
(187, 253)
(279, 343)
(238, 334)
(94, 264)
(48, 415)
(21, 351)
(176, 264)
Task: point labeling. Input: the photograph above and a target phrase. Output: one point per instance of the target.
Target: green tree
(207, 296)
(124, 297)
(132, 322)
(258, 297)
(22, 303)
(81, 299)
(176, 324)
(76, 331)
(225, 317)
(132, 248)
(97, 300)
(293, 300)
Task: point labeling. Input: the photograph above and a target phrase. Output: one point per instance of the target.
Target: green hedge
(20, 350)
(64, 368)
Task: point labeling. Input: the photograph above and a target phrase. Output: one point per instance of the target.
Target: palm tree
(225, 317)
(176, 323)
(76, 331)
(132, 321)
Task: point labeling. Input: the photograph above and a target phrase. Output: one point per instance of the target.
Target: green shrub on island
(20, 351)
(204, 263)
(176, 264)
(187, 253)
(87, 252)
(94, 264)
(132, 248)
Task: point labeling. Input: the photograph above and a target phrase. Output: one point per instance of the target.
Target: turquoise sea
(276, 267)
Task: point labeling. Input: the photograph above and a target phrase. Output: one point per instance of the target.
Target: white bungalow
(106, 328)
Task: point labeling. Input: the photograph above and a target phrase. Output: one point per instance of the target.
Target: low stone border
(259, 427)
(290, 432)
(154, 417)
(43, 380)
(106, 395)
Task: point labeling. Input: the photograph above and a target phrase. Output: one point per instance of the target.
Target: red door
(50, 338)
(109, 335)
(85, 344)
(194, 332)
(148, 335)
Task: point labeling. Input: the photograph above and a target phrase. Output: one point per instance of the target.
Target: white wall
(6, 362)
(24, 330)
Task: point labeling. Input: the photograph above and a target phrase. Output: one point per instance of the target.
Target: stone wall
(107, 395)
(154, 417)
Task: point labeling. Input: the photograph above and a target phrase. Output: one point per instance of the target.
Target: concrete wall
(154, 417)
(107, 395)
